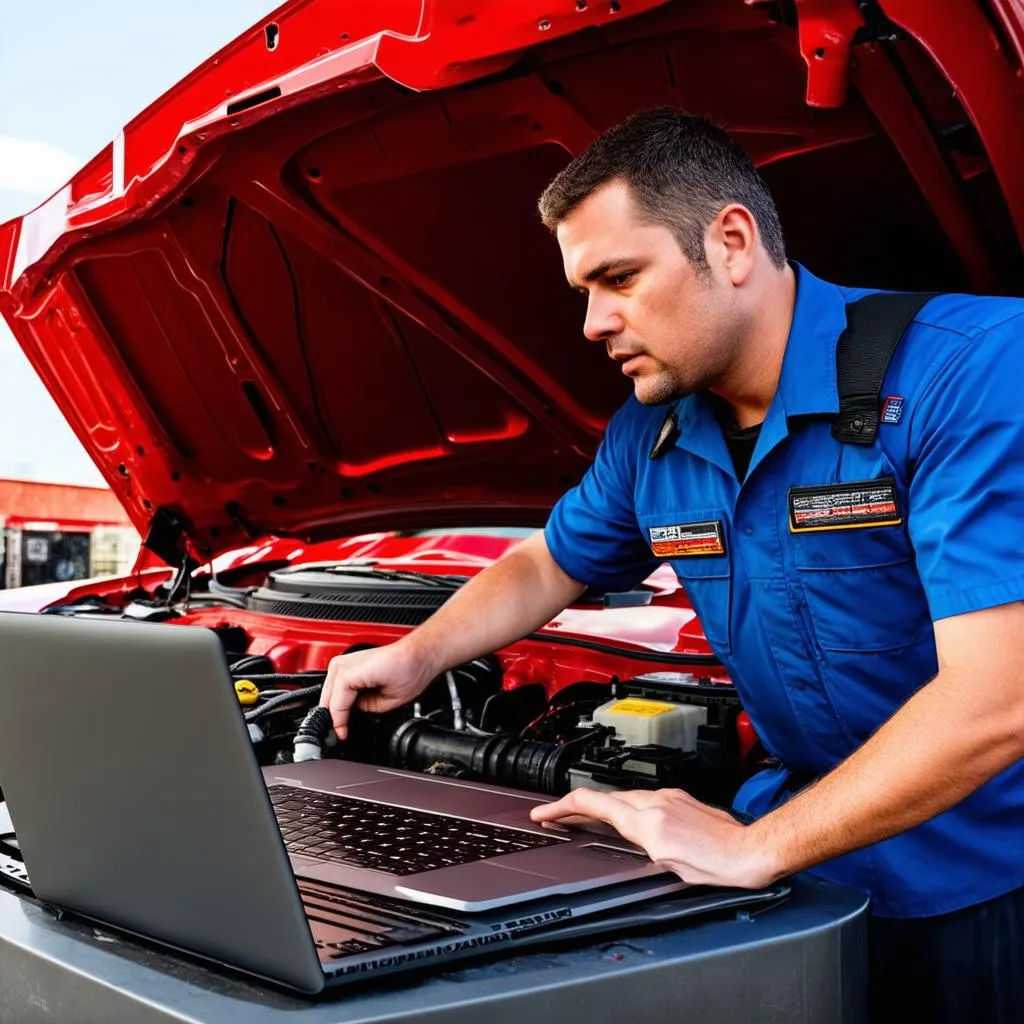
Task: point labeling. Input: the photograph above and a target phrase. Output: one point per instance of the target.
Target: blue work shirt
(827, 632)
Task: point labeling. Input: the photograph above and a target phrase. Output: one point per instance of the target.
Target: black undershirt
(741, 441)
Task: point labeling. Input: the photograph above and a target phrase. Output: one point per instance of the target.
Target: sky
(71, 74)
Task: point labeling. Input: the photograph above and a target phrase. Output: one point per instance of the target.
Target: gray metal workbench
(802, 961)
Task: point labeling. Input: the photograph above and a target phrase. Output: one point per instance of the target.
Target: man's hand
(381, 679)
(701, 844)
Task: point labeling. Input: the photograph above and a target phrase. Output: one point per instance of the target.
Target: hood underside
(325, 304)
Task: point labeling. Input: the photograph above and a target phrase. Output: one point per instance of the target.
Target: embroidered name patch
(844, 506)
(688, 540)
(892, 410)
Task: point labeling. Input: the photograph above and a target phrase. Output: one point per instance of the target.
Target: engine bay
(554, 712)
(659, 729)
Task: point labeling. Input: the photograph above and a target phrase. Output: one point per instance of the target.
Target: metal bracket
(827, 29)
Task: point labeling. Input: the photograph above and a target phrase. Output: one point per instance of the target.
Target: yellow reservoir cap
(246, 691)
(638, 721)
(640, 706)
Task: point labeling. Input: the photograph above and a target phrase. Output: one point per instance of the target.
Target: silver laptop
(137, 801)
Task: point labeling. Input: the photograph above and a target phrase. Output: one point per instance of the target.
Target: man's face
(672, 328)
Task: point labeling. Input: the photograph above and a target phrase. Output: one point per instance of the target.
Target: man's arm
(519, 593)
(511, 598)
(953, 735)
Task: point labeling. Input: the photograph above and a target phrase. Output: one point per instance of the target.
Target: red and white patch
(688, 540)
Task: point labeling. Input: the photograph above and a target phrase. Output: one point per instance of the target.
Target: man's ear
(731, 241)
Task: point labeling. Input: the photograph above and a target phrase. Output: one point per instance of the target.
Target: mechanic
(865, 599)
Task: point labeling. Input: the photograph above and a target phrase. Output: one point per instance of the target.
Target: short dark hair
(682, 170)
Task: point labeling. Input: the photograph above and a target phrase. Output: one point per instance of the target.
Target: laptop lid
(135, 792)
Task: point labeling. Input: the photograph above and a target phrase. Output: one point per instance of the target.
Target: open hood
(306, 292)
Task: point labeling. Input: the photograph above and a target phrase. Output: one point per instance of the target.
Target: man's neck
(751, 386)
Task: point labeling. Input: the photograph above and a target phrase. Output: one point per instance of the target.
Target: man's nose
(602, 321)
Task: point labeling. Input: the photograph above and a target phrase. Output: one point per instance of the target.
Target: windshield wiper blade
(398, 576)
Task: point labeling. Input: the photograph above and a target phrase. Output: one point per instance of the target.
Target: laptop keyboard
(384, 837)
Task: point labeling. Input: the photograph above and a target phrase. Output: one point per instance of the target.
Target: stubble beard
(667, 386)
(660, 389)
(706, 367)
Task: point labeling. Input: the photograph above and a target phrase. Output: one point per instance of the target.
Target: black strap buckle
(874, 326)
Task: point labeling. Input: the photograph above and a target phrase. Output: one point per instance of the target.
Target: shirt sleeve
(966, 516)
(592, 533)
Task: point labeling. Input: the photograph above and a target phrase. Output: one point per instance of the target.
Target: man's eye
(618, 280)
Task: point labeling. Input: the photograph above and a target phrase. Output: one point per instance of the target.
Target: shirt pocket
(707, 578)
(862, 589)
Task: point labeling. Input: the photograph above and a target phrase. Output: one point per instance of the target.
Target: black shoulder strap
(874, 326)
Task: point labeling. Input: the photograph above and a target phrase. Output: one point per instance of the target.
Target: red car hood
(306, 292)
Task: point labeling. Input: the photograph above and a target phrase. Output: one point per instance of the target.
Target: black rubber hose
(312, 735)
(502, 757)
(284, 677)
(282, 698)
(252, 663)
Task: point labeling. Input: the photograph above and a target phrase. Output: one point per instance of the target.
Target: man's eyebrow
(603, 268)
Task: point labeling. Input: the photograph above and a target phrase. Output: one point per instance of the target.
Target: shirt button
(748, 530)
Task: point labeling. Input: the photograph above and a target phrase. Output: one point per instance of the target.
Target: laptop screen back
(135, 793)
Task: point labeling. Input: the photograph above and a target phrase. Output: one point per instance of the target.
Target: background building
(58, 532)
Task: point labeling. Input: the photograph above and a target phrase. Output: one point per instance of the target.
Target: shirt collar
(807, 385)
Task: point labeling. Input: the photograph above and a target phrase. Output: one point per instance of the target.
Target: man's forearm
(944, 743)
(511, 598)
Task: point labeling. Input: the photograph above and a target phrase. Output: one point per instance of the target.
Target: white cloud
(38, 168)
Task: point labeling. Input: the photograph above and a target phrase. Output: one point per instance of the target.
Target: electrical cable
(285, 677)
(274, 703)
(249, 663)
(314, 733)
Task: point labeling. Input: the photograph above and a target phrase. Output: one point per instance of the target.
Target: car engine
(661, 729)
(548, 715)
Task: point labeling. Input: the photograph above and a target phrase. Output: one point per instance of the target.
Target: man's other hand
(701, 844)
(381, 679)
